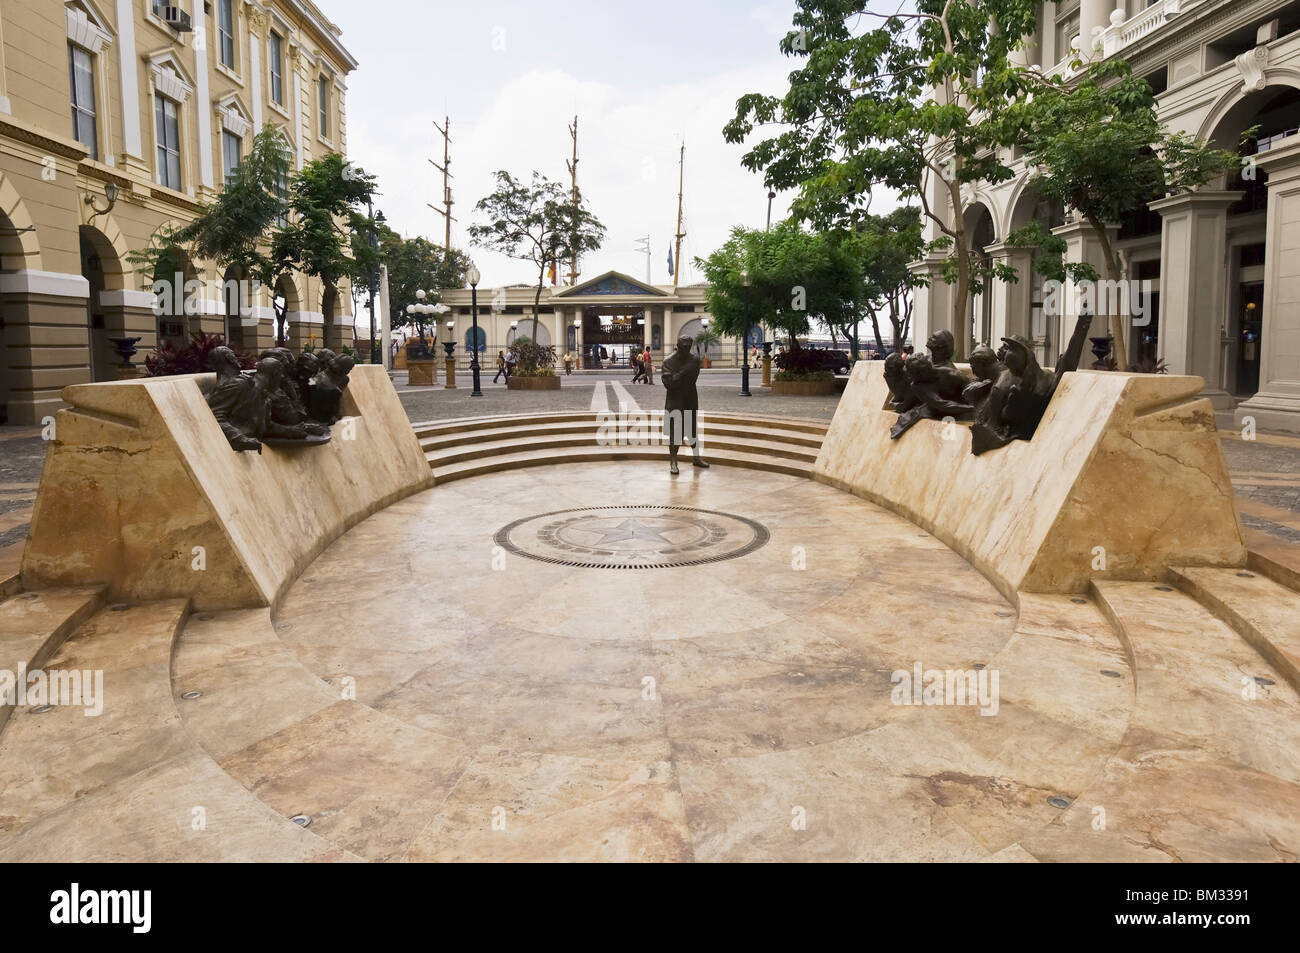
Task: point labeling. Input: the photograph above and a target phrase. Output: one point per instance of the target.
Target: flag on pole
(553, 278)
(670, 261)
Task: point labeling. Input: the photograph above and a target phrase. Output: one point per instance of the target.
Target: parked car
(828, 360)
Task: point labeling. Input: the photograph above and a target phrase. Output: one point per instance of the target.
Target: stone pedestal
(1124, 479)
(767, 371)
(1276, 406)
(451, 374)
(1193, 287)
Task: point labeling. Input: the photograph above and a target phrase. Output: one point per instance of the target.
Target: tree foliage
(795, 277)
(271, 222)
(417, 264)
(1099, 148)
(902, 101)
(537, 222)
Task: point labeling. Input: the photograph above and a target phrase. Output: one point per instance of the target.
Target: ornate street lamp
(474, 276)
(746, 283)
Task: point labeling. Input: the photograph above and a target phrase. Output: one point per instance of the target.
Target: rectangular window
(282, 190)
(158, 7)
(230, 148)
(226, 32)
(323, 94)
(167, 116)
(82, 74)
(276, 56)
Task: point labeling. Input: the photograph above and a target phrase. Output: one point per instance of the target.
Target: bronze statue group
(286, 400)
(1005, 394)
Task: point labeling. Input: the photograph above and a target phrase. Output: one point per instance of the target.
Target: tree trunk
(1114, 321)
(537, 300)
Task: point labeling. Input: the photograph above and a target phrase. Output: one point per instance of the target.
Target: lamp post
(473, 276)
(745, 283)
(577, 340)
(770, 195)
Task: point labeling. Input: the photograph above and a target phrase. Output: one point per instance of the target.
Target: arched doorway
(692, 328)
(102, 269)
(1275, 110)
(979, 236)
(609, 333)
(285, 301)
(235, 301)
(172, 274)
(12, 258)
(1026, 295)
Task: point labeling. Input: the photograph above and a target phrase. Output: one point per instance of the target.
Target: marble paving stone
(509, 806)
(369, 783)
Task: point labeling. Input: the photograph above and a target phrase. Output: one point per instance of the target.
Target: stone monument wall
(141, 492)
(1124, 478)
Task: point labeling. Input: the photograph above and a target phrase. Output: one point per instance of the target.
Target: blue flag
(670, 261)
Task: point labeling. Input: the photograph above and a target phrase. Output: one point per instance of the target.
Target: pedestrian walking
(501, 366)
(647, 363)
(568, 362)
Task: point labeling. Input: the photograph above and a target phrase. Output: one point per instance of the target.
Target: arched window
(473, 335)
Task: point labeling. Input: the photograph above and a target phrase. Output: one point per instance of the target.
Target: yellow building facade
(118, 118)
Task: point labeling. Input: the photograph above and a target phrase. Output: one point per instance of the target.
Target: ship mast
(446, 176)
(677, 255)
(573, 175)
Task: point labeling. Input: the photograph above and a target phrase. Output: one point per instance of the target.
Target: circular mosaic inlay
(632, 537)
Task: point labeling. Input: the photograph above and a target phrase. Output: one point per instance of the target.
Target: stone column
(932, 310)
(577, 338)
(1094, 17)
(1277, 404)
(1194, 288)
(1011, 300)
(1081, 245)
(48, 340)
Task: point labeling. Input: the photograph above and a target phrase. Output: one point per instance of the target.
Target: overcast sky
(511, 76)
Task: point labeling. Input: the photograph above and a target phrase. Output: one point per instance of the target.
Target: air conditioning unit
(177, 19)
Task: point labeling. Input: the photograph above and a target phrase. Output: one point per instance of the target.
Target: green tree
(234, 229)
(538, 223)
(902, 101)
(326, 236)
(794, 277)
(887, 244)
(1100, 149)
(417, 264)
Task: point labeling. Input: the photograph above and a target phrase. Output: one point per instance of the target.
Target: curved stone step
(130, 784)
(711, 444)
(715, 429)
(470, 424)
(34, 624)
(368, 782)
(1205, 770)
(1265, 613)
(534, 458)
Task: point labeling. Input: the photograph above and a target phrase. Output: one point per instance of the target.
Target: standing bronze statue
(679, 372)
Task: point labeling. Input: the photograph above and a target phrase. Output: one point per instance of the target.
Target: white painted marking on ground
(599, 401)
(626, 402)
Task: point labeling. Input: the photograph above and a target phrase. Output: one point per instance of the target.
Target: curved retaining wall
(141, 492)
(1124, 478)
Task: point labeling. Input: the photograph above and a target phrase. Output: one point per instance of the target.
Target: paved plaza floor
(474, 674)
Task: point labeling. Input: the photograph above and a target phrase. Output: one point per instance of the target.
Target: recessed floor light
(302, 820)
(1060, 802)
(40, 709)
(1261, 680)
(1164, 589)
(1079, 602)
(190, 696)
(1246, 575)
(1111, 673)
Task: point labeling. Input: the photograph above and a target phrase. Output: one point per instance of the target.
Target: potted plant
(799, 373)
(703, 341)
(534, 367)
